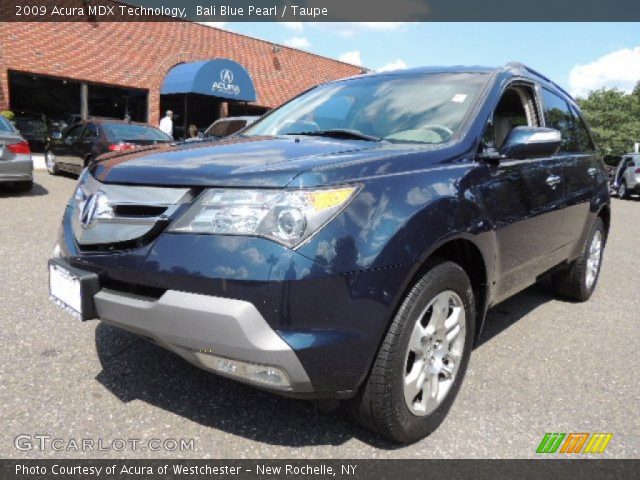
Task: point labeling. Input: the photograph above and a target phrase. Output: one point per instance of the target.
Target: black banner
(317, 469)
(319, 10)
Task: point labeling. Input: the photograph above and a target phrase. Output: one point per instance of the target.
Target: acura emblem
(226, 75)
(93, 206)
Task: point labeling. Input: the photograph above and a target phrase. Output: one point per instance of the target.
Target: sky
(578, 56)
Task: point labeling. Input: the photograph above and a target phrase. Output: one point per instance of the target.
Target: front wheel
(50, 160)
(578, 281)
(423, 358)
(623, 191)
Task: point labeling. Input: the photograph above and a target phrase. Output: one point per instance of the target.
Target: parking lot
(542, 365)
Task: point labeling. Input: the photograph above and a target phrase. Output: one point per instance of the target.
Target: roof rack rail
(535, 72)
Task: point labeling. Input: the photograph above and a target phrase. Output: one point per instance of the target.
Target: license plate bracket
(73, 289)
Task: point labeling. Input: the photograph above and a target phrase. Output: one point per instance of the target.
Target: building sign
(225, 85)
(220, 77)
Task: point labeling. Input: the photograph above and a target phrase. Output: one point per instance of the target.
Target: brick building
(116, 69)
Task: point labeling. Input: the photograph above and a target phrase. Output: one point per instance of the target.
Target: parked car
(626, 179)
(224, 127)
(347, 245)
(80, 144)
(16, 165)
(35, 130)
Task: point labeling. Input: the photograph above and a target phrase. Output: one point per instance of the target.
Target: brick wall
(140, 54)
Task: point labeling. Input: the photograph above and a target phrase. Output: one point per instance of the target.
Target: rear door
(67, 151)
(579, 160)
(87, 144)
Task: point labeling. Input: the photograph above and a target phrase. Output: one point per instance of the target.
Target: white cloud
(395, 65)
(352, 57)
(297, 42)
(215, 24)
(349, 29)
(619, 69)
(295, 26)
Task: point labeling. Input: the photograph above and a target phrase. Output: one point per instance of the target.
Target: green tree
(614, 117)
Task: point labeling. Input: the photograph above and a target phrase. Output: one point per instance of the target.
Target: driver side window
(73, 134)
(516, 108)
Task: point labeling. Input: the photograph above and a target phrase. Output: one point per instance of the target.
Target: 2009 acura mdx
(348, 244)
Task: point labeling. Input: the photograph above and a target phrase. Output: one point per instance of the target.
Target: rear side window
(5, 125)
(583, 139)
(91, 131)
(557, 114)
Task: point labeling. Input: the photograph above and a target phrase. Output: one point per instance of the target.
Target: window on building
(117, 102)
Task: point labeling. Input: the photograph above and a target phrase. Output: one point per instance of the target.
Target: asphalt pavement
(542, 365)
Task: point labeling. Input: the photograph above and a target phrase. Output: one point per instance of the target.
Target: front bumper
(194, 325)
(331, 323)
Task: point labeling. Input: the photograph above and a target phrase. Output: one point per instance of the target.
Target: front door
(523, 199)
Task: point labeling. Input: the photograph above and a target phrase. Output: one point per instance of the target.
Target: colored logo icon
(574, 442)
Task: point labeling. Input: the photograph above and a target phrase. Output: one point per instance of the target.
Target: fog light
(261, 374)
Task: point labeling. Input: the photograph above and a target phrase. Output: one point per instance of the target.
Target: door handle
(553, 180)
(592, 171)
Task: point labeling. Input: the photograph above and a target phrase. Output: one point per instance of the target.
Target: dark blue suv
(348, 245)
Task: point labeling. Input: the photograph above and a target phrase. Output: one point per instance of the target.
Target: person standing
(166, 124)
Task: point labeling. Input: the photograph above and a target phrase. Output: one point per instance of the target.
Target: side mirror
(531, 142)
(56, 136)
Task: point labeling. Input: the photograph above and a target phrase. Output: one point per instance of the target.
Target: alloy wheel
(593, 260)
(51, 163)
(622, 190)
(434, 353)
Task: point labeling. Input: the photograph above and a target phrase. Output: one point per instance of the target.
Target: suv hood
(248, 161)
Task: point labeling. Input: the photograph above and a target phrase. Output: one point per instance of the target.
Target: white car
(627, 177)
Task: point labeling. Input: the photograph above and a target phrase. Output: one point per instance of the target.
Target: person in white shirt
(166, 124)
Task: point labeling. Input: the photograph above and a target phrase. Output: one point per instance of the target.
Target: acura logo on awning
(226, 75)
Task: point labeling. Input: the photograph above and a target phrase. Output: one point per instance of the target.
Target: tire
(623, 191)
(24, 186)
(383, 403)
(49, 160)
(578, 281)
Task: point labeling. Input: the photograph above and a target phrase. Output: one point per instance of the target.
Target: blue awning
(219, 78)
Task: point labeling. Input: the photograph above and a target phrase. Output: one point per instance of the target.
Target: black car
(346, 246)
(78, 145)
(35, 129)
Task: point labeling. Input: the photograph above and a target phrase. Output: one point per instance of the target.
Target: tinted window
(124, 131)
(419, 108)
(583, 139)
(5, 125)
(91, 131)
(558, 115)
(73, 133)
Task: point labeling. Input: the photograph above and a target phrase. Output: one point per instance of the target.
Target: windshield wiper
(339, 133)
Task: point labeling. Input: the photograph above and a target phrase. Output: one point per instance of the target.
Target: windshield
(5, 125)
(123, 131)
(420, 108)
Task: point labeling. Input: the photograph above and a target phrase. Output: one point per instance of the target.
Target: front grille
(107, 214)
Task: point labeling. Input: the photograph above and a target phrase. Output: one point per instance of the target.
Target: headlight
(285, 216)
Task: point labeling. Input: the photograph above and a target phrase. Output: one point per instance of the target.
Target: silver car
(627, 177)
(16, 165)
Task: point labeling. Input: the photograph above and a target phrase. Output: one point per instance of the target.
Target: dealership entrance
(44, 104)
(199, 93)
